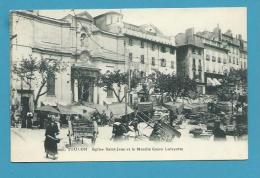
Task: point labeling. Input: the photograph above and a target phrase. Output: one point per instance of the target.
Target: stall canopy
(118, 110)
(48, 108)
(100, 108)
(66, 111)
(210, 82)
(160, 108)
(196, 107)
(174, 106)
(81, 108)
(216, 82)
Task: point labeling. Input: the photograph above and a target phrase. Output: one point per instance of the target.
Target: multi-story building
(88, 46)
(207, 56)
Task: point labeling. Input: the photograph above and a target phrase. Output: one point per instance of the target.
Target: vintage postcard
(128, 84)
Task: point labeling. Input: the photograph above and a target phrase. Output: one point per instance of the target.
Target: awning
(174, 106)
(81, 108)
(210, 82)
(118, 109)
(216, 82)
(66, 111)
(48, 108)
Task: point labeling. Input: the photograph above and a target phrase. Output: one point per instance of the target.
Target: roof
(85, 15)
(108, 13)
(154, 35)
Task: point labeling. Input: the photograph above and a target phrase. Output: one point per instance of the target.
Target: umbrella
(47, 108)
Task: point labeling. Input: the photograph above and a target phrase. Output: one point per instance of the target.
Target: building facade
(207, 56)
(87, 46)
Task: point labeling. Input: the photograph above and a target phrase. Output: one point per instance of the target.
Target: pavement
(28, 144)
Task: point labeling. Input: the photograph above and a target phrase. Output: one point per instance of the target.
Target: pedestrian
(119, 131)
(51, 141)
(135, 123)
(218, 133)
(29, 120)
(156, 133)
(95, 130)
(171, 115)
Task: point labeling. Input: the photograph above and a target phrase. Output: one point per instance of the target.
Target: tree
(226, 91)
(35, 73)
(175, 86)
(108, 81)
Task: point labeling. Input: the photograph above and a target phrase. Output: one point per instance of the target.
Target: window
(193, 64)
(234, 60)
(200, 67)
(194, 74)
(219, 60)
(193, 51)
(224, 60)
(207, 57)
(130, 57)
(163, 49)
(130, 42)
(153, 47)
(163, 62)
(142, 44)
(153, 61)
(200, 76)
(142, 74)
(172, 64)
(199, 52)
(237, 62)
(51, 84)
(109, 93)
(172, 51)
(230, 59)
(142, 59)
(213, 59)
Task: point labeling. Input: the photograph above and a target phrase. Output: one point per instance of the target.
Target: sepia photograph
(128, 84)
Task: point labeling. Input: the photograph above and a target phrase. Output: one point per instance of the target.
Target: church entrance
(86, 90)
(83, 83)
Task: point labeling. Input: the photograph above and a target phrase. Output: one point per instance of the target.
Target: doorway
(85, 91)
(24, 110)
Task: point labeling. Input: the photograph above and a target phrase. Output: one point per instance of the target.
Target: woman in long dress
(50, 143)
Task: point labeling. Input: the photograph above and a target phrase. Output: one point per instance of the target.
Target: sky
(172, 21)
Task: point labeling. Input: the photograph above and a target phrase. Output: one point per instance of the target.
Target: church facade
(87, 46)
